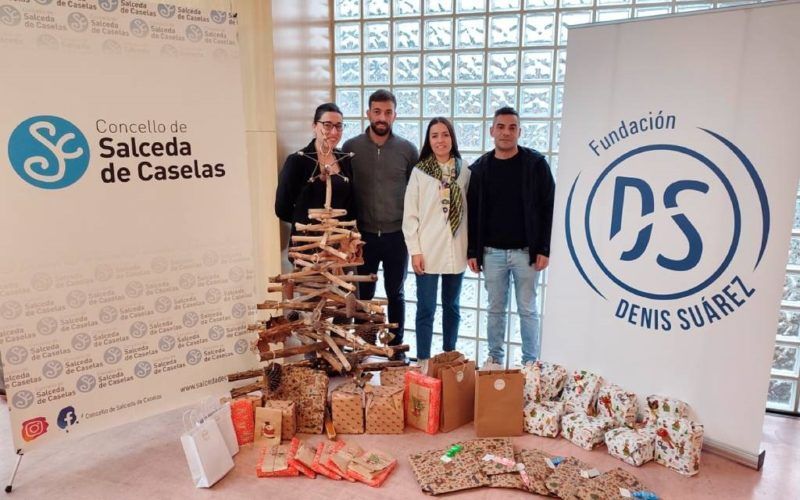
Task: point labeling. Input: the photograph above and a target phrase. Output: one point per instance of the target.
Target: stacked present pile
(494, 463)
(589, 413)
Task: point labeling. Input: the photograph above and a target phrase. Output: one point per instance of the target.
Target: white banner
(676, 193)
(126, 276)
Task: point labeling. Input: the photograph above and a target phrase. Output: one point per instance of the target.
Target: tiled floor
(144, 460)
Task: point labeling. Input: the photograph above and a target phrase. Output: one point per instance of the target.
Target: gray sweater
(380, 175)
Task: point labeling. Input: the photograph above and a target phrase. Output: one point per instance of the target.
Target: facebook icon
(67, 418)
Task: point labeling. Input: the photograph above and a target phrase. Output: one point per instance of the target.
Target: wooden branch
(373, 367)
(233, 377)
(247, 389)
(267, 355)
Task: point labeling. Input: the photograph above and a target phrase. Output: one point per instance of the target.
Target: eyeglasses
(329, 126)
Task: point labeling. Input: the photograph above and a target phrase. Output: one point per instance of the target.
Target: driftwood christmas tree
(319, 305)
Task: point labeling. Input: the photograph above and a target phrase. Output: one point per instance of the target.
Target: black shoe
(399, 356)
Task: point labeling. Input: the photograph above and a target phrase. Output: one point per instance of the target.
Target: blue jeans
(426, 308)
(498, 266)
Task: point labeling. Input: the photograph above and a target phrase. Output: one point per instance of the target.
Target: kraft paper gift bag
(347, 409)
(384, 411)
(442, 360)
(268, 426)
(498, 403)
(206, 453)
(458, 395)
(422, 401)
(289, 421)
(274, 462)
(221, 413)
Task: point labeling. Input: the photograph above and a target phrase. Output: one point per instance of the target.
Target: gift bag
(498, 403)
(268, 426)
(422, 401)
(206, 452)
(221, 413)
(308, 388)
(458, 395)
(443, 360)
(288, 417)
(384, 410)
(347, 409)
(243, 418)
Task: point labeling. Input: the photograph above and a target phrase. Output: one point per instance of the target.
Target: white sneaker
(423, 365)
(491, 364)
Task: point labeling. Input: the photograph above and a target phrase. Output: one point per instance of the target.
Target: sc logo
(48, 152)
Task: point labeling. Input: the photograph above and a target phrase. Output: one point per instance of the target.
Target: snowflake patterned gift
(679, 442)
(543, 381)
(581, 391)
(544, 419)
(621, 406)
(666, 407)
(633, 446)
(584, 430)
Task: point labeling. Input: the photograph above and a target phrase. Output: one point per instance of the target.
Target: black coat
(295, 195)
(538, 188)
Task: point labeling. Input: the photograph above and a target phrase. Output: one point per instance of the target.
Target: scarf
(449, 190)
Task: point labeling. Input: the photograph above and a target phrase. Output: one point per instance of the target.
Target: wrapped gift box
(340, 457)
(580, 392)
(679, 442)
(371, 468)
(544, 419)
(606, 486)
(309, 390)
(584, 430)
(435, 476)
(321, 458)
(347, 409)
(633, 446)
(543, 381)
(301, 457)
(664, 407)
(395, 375)
(566, 477)
(244, 420)
(616, 403)
(422, 401)
(288, 416)
(384, 409)
(274, 462)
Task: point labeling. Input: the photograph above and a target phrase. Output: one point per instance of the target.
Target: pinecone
(274, 373)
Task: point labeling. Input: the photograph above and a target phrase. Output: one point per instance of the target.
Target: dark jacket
(539, 189)
(295, 195)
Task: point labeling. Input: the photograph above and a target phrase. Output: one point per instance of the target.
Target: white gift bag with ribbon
(206, 452)
(221, 413)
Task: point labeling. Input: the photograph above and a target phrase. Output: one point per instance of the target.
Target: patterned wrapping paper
(371, 468)
(395, 375)
(536, 473)
(585, 431)
(566, 477)
(384, 410)
(666, 407)
(633, 446)
(679, 443)
(543, 381)
(244, 420)
(580, 392)
(618, 404)
(347, 409)
(302, 457)
(544, 419)
(422, 401)
(606, 486)
(436, 477)
(309, 389)
(273, 461)
(288, 417)
(320, 457)
(500, 448)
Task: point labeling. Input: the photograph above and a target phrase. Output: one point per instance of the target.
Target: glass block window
(465, 58)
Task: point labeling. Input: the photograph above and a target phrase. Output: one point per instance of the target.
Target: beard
(376, 131)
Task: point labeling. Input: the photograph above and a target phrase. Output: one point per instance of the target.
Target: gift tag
(590, 473)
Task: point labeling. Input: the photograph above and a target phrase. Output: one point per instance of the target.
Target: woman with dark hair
(435, 230)
(301, 183)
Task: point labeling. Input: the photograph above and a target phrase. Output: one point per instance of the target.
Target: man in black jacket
(510, 206)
